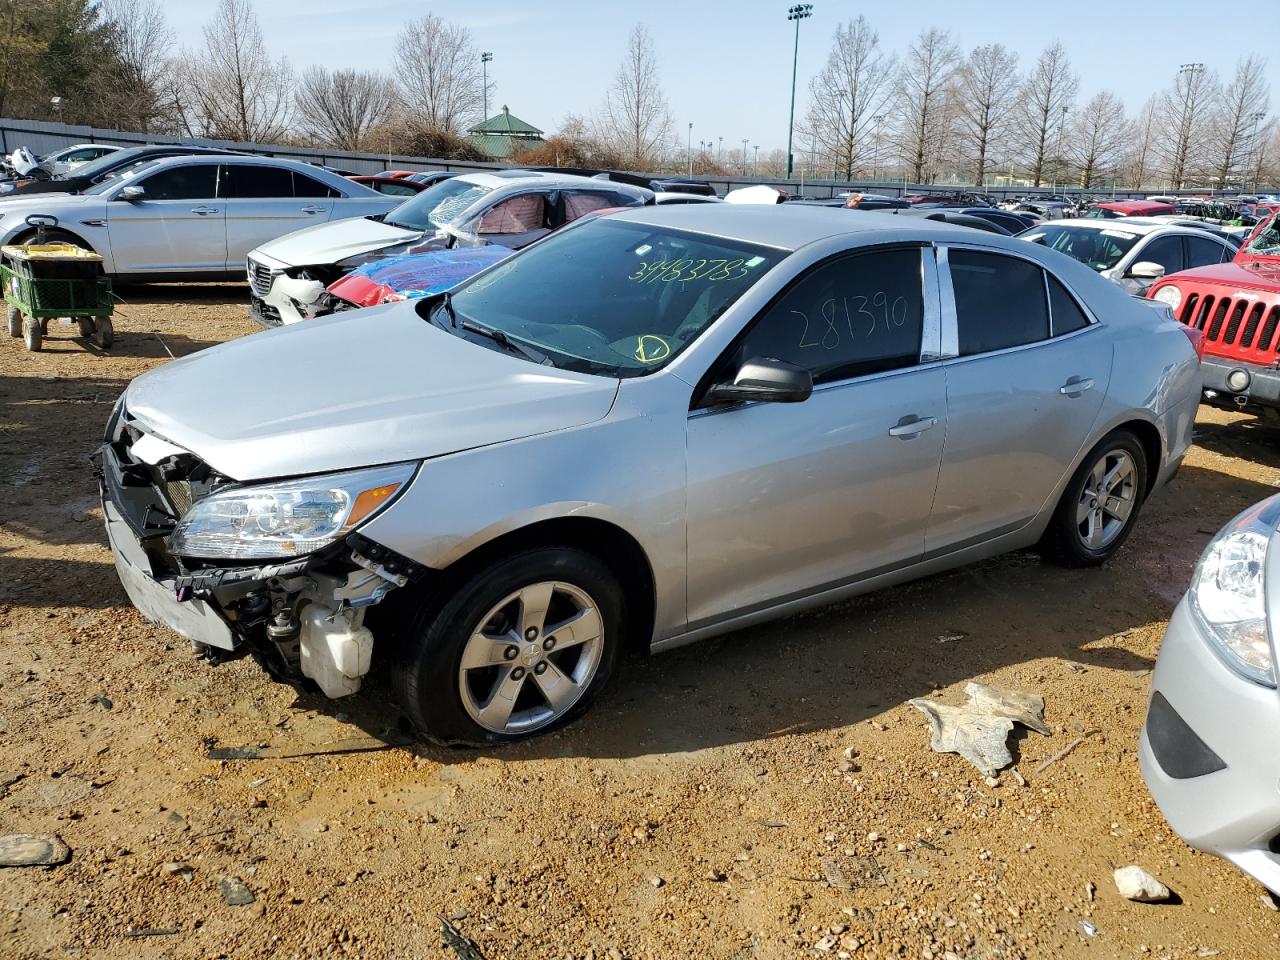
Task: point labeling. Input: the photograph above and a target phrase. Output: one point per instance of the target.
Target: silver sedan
(649, 428)
(1208, 747)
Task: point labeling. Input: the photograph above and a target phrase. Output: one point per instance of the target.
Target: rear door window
(246, 182)
(304, 186)
(1202, 252)
(1000, 301)
(1067, 316)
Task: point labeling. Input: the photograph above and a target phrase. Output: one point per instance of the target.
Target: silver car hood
(331, 242)
(354, 389)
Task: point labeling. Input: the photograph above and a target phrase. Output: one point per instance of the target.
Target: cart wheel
(105, 334)
(15, 321)
(32, 333)
(86, 326)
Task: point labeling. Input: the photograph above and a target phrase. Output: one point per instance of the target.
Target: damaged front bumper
(301, 619)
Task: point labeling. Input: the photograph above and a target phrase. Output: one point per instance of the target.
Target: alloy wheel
(531, 657)
(1107, 500)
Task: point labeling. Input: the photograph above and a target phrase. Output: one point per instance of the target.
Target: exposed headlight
(289, 519)
(1169, 294)
(1228, 593)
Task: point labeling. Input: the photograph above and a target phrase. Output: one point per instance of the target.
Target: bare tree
(848, 99)
(339, 108)
(1097, 135)
(236, 90)
(1046, 97)
(635, 119)
(441, 83)
(987, 85)
(1139, 159)
(1183, 111)
(1242, 106)
(923, 81)
(142, 96)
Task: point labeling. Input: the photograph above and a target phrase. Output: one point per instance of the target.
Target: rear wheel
(1100, 505)
(85, 325)
(15, 320)
(104, 333)
(519, 648)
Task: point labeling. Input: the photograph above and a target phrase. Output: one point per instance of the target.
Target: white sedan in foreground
(191, 217)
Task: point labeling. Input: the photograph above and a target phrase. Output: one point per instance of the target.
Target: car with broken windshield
(651, 428)
(508, 208)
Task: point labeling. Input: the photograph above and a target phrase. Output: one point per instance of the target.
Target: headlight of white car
(1228, 593)
(288, 519)
(1169, 294)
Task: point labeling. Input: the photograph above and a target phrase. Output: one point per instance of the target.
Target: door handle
(913, 428)
(313, 209)
(1076, 386)
(204, 211)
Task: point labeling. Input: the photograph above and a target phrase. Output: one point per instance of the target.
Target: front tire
(32, 333)
(14, 317)
(1100, 505)
(519, 648)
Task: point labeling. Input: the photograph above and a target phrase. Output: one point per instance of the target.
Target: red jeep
(1236, 305)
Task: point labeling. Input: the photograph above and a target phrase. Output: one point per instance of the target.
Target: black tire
(104, 333)
(14, 316)
(32, 333)
(1063, 542)
(85, 326)
(427, 658)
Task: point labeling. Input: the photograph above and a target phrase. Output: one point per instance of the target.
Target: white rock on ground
(1134, 883)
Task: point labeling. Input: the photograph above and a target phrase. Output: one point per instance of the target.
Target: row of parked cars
(636, 431)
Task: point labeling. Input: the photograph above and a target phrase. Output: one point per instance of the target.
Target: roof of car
(785, 226)
(320, 173)
(1132, 225)
(524, 178)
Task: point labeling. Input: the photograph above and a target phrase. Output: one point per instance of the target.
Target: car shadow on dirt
(828, 668)
(157, 293)
(1257, 439)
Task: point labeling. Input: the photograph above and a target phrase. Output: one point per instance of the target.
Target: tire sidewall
(431, 651)
(1066, 528)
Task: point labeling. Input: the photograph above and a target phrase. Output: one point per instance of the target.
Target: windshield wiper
(498, 337)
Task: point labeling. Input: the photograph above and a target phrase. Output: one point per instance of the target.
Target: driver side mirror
(764, 380)
(132, 194)
(1146, 270)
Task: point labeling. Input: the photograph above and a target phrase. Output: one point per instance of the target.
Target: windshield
(1099, 249)
(96, 167)
(127, 172)
(1267, 241)
(437, 206)
(613, 297)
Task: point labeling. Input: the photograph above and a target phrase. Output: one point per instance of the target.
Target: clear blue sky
(726, 66)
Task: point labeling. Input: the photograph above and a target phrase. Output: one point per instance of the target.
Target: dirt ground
(701, 810)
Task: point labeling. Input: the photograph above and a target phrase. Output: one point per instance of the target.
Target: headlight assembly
(287, 519)
(1169, 294)
(1228, 594)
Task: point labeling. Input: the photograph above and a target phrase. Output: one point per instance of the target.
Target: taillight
(1196, 337)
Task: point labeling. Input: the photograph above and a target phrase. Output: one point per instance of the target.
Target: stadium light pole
(800, 11)
(745, 141)
(688, 148)
(485, 59)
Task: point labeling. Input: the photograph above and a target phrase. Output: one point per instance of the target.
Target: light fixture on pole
(57, 105)
(688, 148)
(800, 11)
(485, 59)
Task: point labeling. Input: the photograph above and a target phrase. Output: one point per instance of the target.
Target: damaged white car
(511, 208)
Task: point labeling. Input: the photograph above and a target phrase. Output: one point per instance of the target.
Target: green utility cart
(46, 281)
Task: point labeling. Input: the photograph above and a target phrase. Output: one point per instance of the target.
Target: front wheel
(32, 333)
(518, 649)
(1100, 505)
(15, 320)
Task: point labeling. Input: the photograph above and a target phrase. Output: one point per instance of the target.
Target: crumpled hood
(355, 389)
(330, 242)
